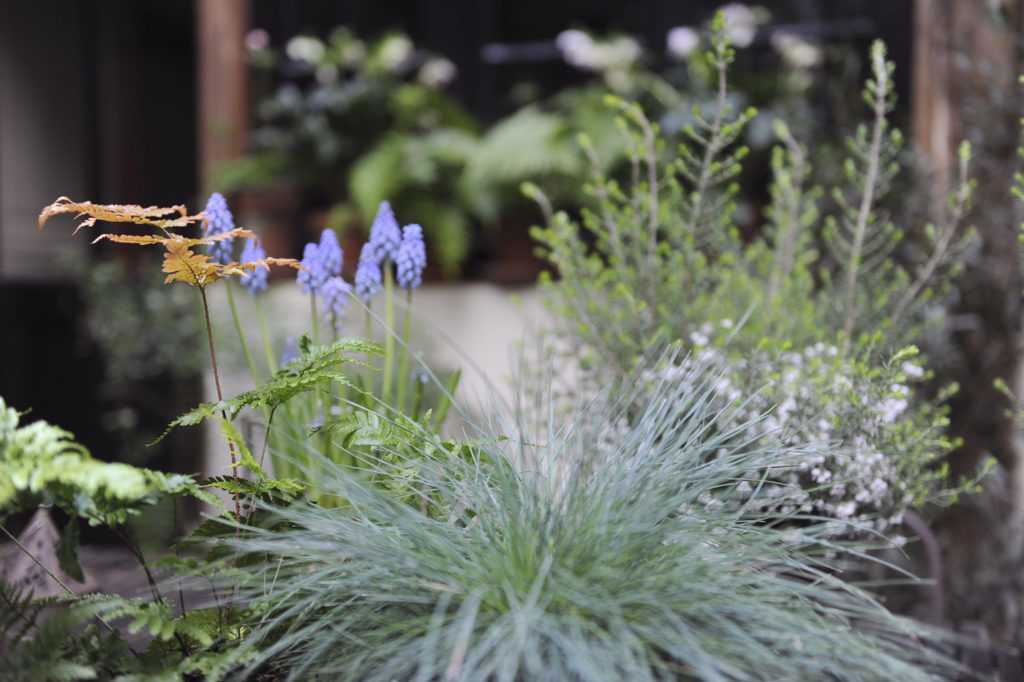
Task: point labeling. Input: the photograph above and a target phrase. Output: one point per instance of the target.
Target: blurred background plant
(818, 333)
(350, 122)
(155, 375)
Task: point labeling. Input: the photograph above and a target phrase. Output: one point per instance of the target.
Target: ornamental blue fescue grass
(588, 551)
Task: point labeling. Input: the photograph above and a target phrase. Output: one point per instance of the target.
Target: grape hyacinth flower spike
(331, 255)
(368, 275)
(218, 221)
(385, 235)
(333, 299)
(254, 280)
(291, 350)
(412, 258)
(313, 275)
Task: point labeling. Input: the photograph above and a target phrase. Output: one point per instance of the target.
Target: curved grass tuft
(612, 548)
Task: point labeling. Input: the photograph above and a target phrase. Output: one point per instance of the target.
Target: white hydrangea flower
(681, 41)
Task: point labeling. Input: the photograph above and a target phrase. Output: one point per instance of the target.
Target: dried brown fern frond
(181, 262)
(88, 213)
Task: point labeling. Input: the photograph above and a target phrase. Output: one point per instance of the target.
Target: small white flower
(740, 24)
(698, 339)
(573, 40)
(846, 509)
(796, 50)
(437, 72)
(682, 41)
(911, 370)
(257, 39)
(305, 49)
(394, 51)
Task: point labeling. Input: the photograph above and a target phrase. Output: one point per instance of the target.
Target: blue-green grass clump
(600, 549)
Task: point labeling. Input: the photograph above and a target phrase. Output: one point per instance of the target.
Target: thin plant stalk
(315, 324)
(220, 393)
(403, 361)
(241, 333)
(265, 333)
(368, 331)
(389, 339)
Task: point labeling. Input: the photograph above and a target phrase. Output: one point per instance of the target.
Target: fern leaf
(43, 464)
(315, 366)
(119, 213)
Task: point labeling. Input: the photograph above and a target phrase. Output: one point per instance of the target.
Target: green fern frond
(43, 464)
(315, 367)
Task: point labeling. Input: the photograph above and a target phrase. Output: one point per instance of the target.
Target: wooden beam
(223, 83)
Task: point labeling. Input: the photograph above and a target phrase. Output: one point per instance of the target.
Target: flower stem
(389, 334)
(241, 333)
(220, 394)
(368, 373)
(314, 322)
(265, 333)
(403, 362)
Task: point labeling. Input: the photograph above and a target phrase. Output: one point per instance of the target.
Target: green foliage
(43, 640)
(316, 366)
(369, 115)
(416, 172)
(563, 557)
(43, 464)
(660, 260)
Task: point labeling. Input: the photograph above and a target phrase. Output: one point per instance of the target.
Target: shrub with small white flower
(814, 338)
(871, 449)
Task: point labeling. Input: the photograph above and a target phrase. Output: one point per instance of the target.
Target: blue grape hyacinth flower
(368, 275)
(291, 350)
(218, 221)
(385, 235)
(333, 299)
(254, 280)
(412, 257)
(313, 275)
(331, 255)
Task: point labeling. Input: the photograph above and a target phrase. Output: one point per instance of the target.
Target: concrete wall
(475, 327)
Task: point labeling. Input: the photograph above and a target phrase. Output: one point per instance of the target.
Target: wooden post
(964, 84)
(223, 83)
